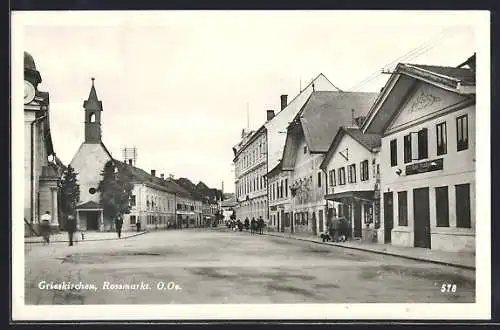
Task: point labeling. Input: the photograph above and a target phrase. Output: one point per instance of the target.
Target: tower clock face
(29, 92)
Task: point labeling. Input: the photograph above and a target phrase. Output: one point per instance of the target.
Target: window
(407, 148)
(305, 149)
(364, 170)
(286, 187)
(319, 179)
(402, 208)
(179, 206)
(441, 139)
(394, 152)
(351, 174)
(442, 214)
(132, 220)
(92, 117)
(333, 179)
(92, 191)
(462, 133)
(342, 176)
(132, 200)
(462, 192)
(281, 189)
(422, 144)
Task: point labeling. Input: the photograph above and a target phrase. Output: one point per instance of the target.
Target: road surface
(219, 267)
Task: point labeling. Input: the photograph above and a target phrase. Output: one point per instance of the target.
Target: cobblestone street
(208, 266)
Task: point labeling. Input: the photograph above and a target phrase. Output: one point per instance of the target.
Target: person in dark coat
(138, 225)
(260, 224)
(119, 224)
(253, 226)
(71, 227)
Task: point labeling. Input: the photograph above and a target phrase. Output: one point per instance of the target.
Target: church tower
(93, 109)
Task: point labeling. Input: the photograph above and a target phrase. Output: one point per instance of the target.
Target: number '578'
(448, 287)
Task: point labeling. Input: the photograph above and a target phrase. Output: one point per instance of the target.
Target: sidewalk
(465, 260)
(77, 237)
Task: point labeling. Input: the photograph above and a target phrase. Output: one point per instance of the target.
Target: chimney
(284, 101)
(130, 162)
(270, 114)
(162, 176)
(153, 172)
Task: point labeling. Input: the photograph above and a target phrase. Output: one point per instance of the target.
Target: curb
(379, 252)
(91, 240)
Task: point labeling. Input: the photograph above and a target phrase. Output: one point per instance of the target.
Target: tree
(116, 190)
(69, 192)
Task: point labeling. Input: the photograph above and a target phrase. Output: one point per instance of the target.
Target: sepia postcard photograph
(242, 165)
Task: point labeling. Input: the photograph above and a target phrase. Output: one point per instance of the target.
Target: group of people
(254, 225)
(71, 227)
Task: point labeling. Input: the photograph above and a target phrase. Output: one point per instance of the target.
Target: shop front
(357, 210)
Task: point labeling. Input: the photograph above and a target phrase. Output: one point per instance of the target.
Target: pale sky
(176, 84)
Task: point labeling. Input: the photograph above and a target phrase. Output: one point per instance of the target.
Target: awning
(367, 195)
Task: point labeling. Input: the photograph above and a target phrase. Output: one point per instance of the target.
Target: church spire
(93, 109)
(92, 102)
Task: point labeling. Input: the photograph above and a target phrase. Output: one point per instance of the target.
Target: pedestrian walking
(71, 227)
(253, 226)
(119, 224)
(46, 219)
(261, 224)
(138, 225)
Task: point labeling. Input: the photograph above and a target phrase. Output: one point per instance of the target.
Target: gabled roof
(325, 112)
(369, 141)
(90, 205)
(464, 75)
(405, 77)
(320, 118)
(279, 123)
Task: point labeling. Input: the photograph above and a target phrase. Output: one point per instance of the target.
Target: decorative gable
(426, 101)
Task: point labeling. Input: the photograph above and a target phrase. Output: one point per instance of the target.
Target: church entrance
(93, 220)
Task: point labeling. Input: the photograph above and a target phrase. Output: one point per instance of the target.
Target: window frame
(393, 147)
(463, 144)
(364, 170)
(403, 222)
(443, 149)
(407, 155)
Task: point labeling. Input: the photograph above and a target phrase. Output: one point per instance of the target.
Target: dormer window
(305, 150)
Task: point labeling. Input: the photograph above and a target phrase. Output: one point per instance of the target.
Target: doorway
(320, 216)
(388, 216)
(283, 220)
(314, 224)
(421, 220)
(357, 219)
(92, 220)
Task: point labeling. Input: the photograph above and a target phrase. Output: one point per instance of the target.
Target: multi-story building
(250, 168)
(279, 199)
(41, 166)
(426, 116)
(152, 202)
(309, 136)
(353, 187)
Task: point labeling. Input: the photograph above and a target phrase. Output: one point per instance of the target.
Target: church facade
(88, 162)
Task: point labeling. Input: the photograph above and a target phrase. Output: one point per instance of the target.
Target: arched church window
(92, 117)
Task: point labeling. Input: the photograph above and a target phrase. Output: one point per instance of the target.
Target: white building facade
(250, 164)
(353, 186)
(427, 157)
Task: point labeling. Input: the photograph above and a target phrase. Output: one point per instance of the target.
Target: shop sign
(423, 167)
